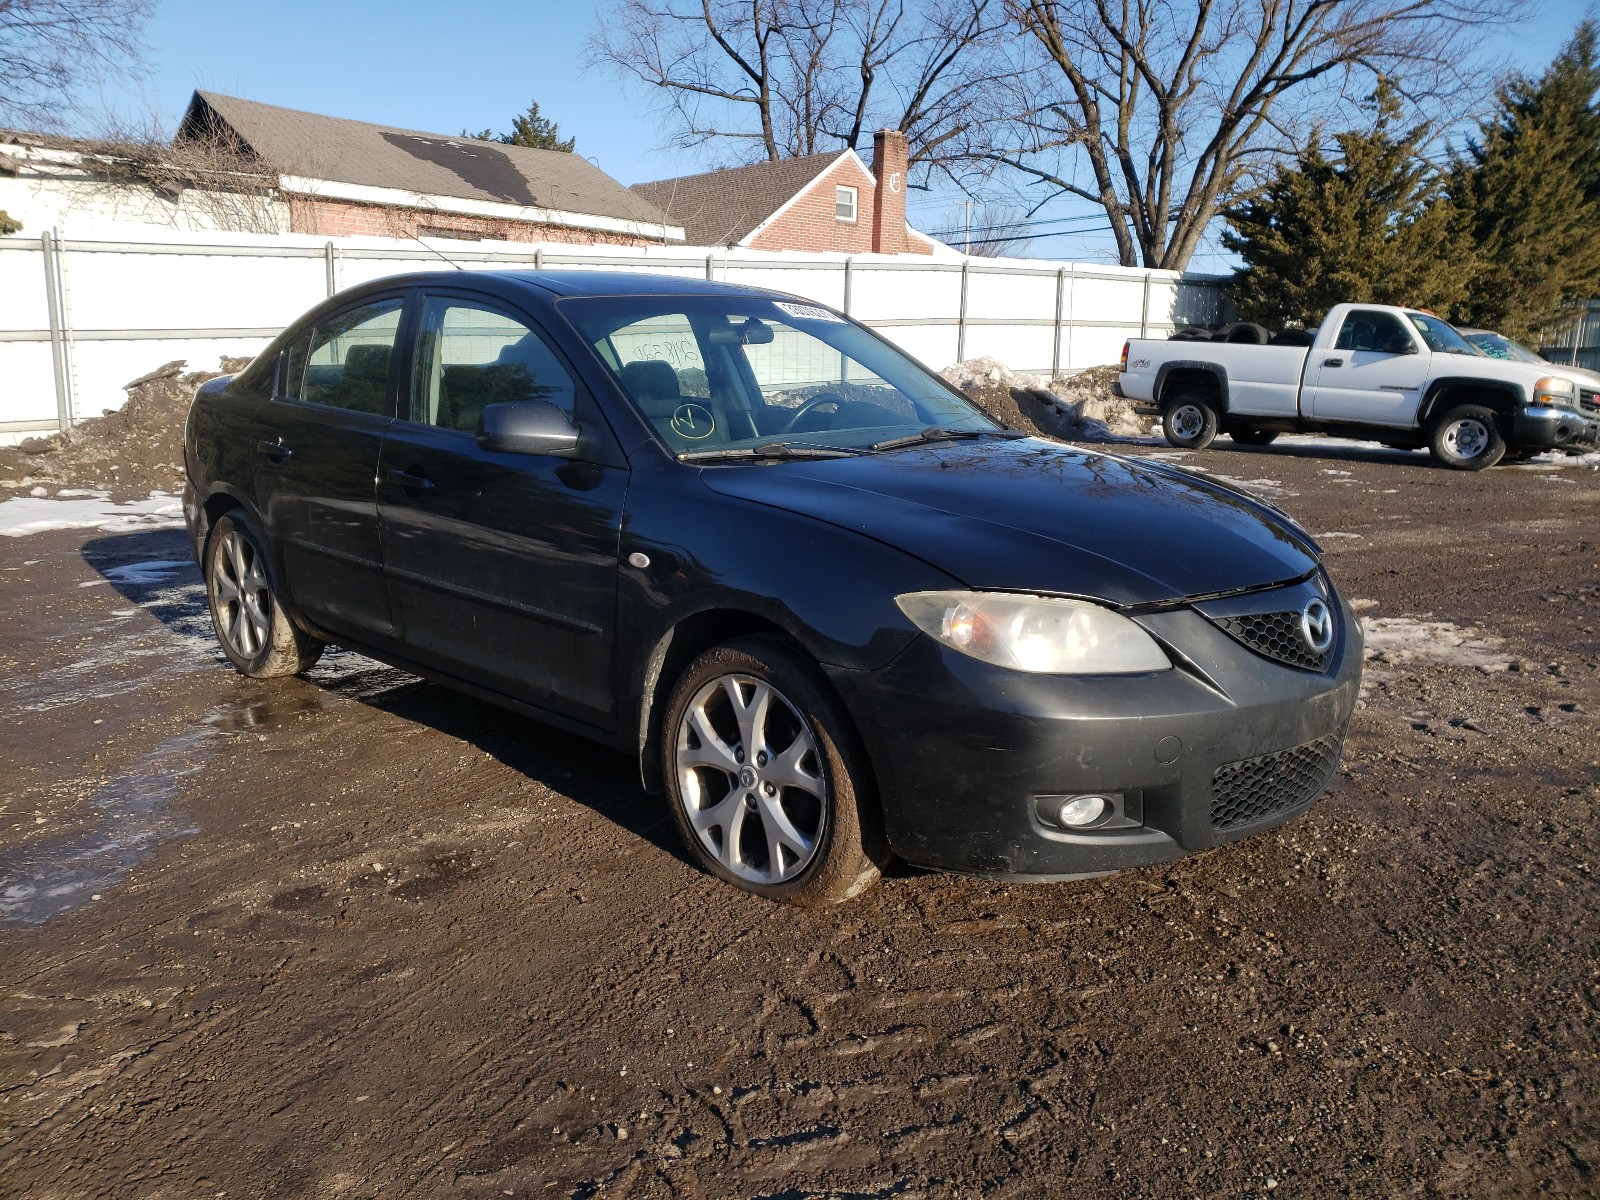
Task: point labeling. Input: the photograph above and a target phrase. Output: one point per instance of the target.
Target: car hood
(1034, 516)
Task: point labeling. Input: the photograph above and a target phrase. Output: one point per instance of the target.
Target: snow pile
(128, 451)
(1078, 408)
(22, 515)
(1406, 640)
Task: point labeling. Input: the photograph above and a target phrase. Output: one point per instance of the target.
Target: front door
(1374, 375)
(317, 462)
(502, 568)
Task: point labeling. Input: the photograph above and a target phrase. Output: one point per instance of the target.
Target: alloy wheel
(243, 595)
(749, 774)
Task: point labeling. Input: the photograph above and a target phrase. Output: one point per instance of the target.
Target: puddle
(256, 714)
(168, 589)
(128, 816)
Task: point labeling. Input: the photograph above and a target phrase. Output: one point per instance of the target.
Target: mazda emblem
(1316, 626)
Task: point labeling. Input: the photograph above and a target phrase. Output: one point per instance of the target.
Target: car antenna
(432, 250)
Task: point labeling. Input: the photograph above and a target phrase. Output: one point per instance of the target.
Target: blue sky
(447, 65)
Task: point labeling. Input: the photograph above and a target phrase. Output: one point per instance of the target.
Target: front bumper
(1555, 429)
(1225, 745)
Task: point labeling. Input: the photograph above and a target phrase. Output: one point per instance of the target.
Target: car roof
(564, 284)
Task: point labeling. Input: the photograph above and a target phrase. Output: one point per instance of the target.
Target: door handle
(277, 449)
(412, 480)
(1333, 362)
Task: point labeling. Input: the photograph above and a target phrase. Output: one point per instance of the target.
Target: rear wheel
(254, 631)
(1190, 420)
(767, 790)
(1254, 437)
(1467, 438)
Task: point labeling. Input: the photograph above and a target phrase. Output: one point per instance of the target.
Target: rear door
(502, 568)
(316, 463)
(1374, 375)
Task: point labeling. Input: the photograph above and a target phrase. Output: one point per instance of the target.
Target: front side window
(470, 356)
(1440, 336)
(1379, 332)
(344, 361)
(713, 372)
(844, 203)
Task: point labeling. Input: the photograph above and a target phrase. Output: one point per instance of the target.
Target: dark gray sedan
(835, 611)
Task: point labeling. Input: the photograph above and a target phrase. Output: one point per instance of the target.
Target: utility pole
(966, 239)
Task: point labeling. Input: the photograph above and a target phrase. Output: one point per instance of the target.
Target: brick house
(821, 202)
(342, 177)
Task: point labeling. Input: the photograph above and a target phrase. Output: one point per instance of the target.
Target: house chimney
(889, 209)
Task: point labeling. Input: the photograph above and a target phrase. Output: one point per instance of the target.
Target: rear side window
(1379, 332)
(471, 356)
(344, 362)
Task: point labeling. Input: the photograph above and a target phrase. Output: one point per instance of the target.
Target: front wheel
(1190, 421)
(255, 633)
(1467, 438)
(767, 790)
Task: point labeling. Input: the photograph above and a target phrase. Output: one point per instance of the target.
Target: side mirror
(528, 427)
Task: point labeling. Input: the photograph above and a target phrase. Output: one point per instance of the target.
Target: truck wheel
(1254, 437)
(1190, 421)
(1467, 438)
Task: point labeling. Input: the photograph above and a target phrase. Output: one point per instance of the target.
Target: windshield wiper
(769, 452)
(938, 433)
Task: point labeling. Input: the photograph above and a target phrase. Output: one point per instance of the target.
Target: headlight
(1553, 390)
(1038, 634)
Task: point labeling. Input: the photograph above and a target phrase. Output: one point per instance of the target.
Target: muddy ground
(354, 934)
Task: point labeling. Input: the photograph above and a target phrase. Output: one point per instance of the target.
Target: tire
(1467, 438)
(243, 595)
(1245, 333)
(804, 826)
(1254, 437)
(1189, 420)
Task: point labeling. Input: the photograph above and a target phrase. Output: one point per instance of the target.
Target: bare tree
(1162, 112)
(772, 79)
(49, 46)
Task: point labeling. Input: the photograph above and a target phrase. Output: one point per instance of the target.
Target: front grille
(1275, 635)
(1254, 789)
(1589, 401)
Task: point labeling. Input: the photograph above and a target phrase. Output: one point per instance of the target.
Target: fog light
(1082, 810)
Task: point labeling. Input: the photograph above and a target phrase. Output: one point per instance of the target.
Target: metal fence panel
(81, 318)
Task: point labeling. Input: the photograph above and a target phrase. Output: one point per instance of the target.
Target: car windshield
(731, 376)
(1497, 346)
(1440, 336)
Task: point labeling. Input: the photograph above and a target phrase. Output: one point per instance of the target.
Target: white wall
(79, 205)
(129, 305)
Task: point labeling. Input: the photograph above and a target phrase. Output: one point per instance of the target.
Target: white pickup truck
(1371, 372)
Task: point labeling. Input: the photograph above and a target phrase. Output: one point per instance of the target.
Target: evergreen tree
(1527, 193)
(1365, 226)
(530, 129)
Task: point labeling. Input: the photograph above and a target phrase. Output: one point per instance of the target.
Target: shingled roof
(313, 146)
(722, 208)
